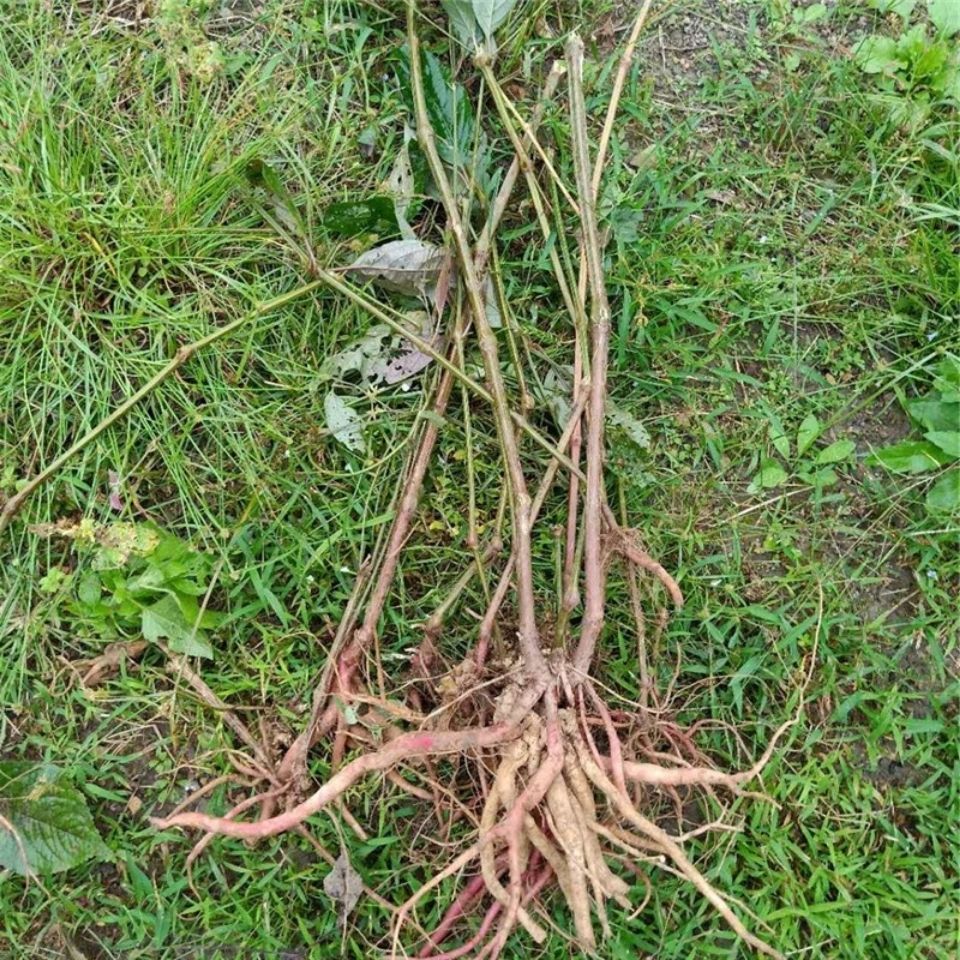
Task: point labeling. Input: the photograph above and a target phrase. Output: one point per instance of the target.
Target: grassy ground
(767, 262)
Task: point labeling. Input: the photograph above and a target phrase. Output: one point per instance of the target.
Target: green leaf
(140, 882)
(910, 456)
(46, 825)
(950, 83)
(826, 477)
(947, 440)
(165, 620)
(771, 475)
(944, 15)
(448, 107)
(902, 8)
(344, 422)
(935, 414)
(944, 495)
(351, 218)
(285, 213)
(807, 434)
(878, 54)
(780, 441)
(463, 20)
(837, 451)
(150, 581)
(931, 62)
(811, 14)
(53, 580)
(913, 43)
(89, 589)
(948, 383)
(491, 13)
(781, 444)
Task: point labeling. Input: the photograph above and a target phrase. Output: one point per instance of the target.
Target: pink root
(455, 911)
(536, 881)
(396, 751)
(645, 562)
(488, 918)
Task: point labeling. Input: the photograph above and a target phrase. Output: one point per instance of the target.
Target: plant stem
(504, 104)
(536, 196)
(594, 574)
(622, 69)
(346, 641)
(546, 482)
(526, 605)
(182, 355)
(640, 624)
(375, 310)
(482, 250)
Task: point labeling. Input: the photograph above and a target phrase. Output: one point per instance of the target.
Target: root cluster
(559, 802)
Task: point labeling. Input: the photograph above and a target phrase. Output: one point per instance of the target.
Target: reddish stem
(594, 575)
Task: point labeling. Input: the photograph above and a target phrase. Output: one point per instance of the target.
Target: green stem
(180, 358)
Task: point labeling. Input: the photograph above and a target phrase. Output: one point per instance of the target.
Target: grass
(767, 263)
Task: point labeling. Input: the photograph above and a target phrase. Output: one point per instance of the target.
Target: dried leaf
(404, 360)
(631, 426)
(490, 306)
(556, 394)
(403, 366)
(356, 357)
(380, 356)
(343, 885)
(113, 479)
(441, 291)
(403, 266)
(344, 423)
(402, 188)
